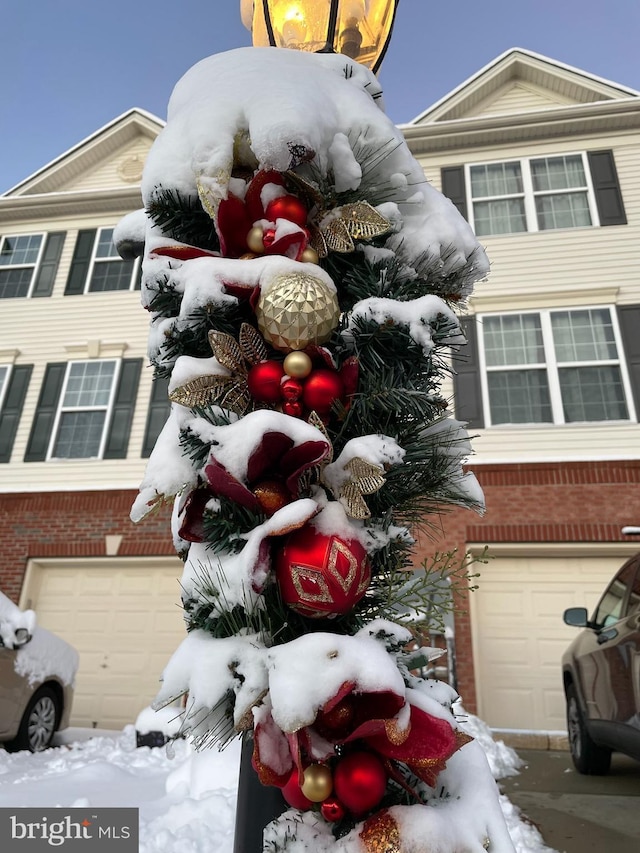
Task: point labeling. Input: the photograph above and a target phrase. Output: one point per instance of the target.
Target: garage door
(124, 619)
(519, 636)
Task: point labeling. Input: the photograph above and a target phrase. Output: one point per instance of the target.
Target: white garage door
(519, 636)
(124, 618)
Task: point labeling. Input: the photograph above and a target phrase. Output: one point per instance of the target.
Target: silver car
(37, 670)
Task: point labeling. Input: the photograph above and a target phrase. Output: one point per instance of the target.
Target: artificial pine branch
(183, 218)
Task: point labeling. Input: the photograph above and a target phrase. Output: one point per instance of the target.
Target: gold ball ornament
(309, 256)
(297, 310)
(297, 365)
(255, 239)
(318, 783)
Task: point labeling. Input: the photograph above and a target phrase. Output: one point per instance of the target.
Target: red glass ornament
(360, 782)
(264, 381)
(293, 794)
(332, 810)
(336, 724)
(293, 408)
(287, 207)
(321, 389)
(320, 575)
(291, 389)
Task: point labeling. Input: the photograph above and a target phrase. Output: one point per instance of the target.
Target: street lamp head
(360, 29)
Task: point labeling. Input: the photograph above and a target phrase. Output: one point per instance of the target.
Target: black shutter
(123, 408)
(629, 317)
(606, 187)
(12, 408)
(80, 263)
(453, 186)
(49, 264)
(45, 415)
(159, 408)
(467, 390)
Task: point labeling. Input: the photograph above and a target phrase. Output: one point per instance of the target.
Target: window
(554, 367)
(19, 257)
(108, 270)
(614, 604)
(84, 408)
(97, 267)
(537, 194)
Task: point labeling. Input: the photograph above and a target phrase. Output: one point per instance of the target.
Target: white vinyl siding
(531, 194)
(19, 258)
(554, 367)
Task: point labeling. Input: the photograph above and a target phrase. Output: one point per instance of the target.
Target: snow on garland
(301, 276)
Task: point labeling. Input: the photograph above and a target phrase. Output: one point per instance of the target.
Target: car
(601, 673)
(37, 671)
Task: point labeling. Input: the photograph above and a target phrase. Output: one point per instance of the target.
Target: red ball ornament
(291, 389)
(321, 576)
(292, 408)
(334, 725)
(264, 381)
(293, 793)
(360, 782)
(287, 207)
(321, 389)
(332, 810)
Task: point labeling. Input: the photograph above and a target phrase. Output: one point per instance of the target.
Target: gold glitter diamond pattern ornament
(297, 310)
(381, 834)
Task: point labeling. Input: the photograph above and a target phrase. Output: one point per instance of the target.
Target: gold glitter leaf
(202, 391)
(363, 222)
(337, 237)
(227, 351)
(252, 344)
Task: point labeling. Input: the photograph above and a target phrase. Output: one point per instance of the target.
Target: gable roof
(550, 80)
(87, 154)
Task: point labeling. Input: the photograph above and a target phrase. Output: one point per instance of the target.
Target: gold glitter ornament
(297, 310)
(297, 365)
(318, 783)
(380, 834)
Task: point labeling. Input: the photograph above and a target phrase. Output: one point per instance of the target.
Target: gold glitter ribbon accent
(380, 834)
(365, 478)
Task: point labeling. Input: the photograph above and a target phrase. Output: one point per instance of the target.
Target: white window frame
(530, 195)
(34, 267)
(108, 409)
(550, 365)
(5, 385)
(96, 261)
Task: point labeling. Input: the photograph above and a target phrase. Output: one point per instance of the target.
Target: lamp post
(360, 29)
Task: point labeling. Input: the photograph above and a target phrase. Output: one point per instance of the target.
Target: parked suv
(37, 670)
(601, 671)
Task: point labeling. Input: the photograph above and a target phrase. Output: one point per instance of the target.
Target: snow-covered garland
(301, 277)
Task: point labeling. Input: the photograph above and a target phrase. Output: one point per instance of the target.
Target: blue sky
(70, 66)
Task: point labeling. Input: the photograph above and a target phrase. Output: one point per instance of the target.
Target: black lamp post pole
(257, 804)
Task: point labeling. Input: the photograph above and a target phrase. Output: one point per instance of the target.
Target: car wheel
(588, 757)
(38, 722)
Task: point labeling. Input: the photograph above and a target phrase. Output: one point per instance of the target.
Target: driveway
(574, 813)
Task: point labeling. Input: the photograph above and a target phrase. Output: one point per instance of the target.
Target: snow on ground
(186, 799)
